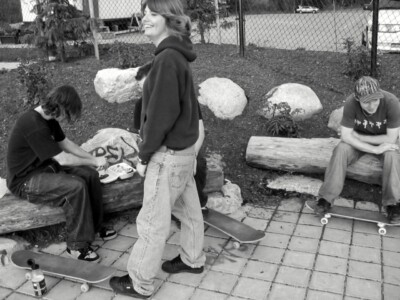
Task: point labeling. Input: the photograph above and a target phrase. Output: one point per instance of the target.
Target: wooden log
(17, 214)
(307, 156)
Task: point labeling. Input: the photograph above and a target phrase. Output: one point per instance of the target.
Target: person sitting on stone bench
(370, 124)
(45, 167)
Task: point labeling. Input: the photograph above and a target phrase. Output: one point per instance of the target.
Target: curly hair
(63, 99)
(177, 22)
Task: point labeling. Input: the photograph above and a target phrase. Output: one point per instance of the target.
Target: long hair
(177, 22)
(63, 99)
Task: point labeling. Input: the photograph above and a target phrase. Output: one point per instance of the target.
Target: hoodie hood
(183, 45)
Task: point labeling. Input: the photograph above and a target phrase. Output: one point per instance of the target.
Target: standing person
(45, 167)
(169, 130)
(370, 124)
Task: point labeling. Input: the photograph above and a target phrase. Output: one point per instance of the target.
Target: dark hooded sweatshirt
(170, 114)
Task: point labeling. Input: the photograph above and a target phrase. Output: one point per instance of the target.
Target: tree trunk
(307, 156)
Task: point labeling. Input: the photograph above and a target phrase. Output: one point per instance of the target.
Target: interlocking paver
(284, 292)
(318, 295)
(298, 259)
(365, 270)
(260, 270)
(391, 275)
(251, 288)
(268, 254)
(364, 289)
(327, 282)
(281, 227)
(275, 240)
(219, 282)
(367, 240)
(303, 244)
(293, 276)
(308, 231)
(365, 254)
(331, 264)
(334, 249)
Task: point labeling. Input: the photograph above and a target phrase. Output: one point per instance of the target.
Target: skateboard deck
(239, 231)
(83, 271)
(354, 214)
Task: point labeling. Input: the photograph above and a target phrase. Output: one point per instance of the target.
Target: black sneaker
(177, 266)
(107, 234)
(393, 212)
(322, 206)
(123, 285)
(86, 254)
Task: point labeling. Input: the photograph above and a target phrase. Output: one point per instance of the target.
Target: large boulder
(335, 118)
(117, 85)
(117, 145)
(298, 96)
(223, 97)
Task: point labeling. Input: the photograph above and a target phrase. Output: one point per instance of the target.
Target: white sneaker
(86, 254)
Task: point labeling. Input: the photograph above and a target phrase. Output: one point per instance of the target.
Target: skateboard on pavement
(239, 231)
(83, 271)
(354, 214)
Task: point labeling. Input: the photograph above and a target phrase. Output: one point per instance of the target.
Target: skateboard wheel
(28, 275)
(382, 231)
(84, 287)
(324, 221)
(236, 245)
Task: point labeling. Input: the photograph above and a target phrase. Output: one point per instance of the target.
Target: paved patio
(298, 259)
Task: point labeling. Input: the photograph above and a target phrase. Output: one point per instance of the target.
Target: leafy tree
(56, 23)
(204, 12)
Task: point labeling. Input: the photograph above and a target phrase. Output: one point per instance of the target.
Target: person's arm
(200, 139)
(73, 155)
(390, 137)
(349, 136)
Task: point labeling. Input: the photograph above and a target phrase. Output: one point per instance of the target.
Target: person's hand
(141, 169)
(382, 148)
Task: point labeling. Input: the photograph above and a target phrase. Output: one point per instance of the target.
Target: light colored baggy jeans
(169, 186)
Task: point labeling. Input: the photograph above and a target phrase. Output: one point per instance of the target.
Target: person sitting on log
(370, 124)
(45, 167)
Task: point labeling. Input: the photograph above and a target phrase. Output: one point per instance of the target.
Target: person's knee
(343, 149)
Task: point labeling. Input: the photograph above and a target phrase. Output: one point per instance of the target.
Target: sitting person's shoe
(86, 254)
(393, 212)
(177, 265)
(322, 206)
(123, 285)
(107, 234)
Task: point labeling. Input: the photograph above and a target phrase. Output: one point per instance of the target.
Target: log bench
(307, 156)
(17, 214)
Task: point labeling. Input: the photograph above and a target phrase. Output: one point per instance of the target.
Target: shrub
(281, 122)
(358, 60)
(34, 78)
(127, 55)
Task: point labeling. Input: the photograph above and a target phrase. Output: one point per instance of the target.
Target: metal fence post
(241, 28)
(374, 44)
(93, 27)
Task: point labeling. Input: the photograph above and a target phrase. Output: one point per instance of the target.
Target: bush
(34, 78)
(281, 122)
(127, 55)
(358, 62)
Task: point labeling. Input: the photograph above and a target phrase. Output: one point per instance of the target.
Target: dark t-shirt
(386, 116)
(33, 142)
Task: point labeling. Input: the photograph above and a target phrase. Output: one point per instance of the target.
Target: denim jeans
(78, 191)
(169, 187)
(343, 156)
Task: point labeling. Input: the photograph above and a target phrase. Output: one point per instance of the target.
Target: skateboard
(354, 214)
(82, 271)
(239, 231)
